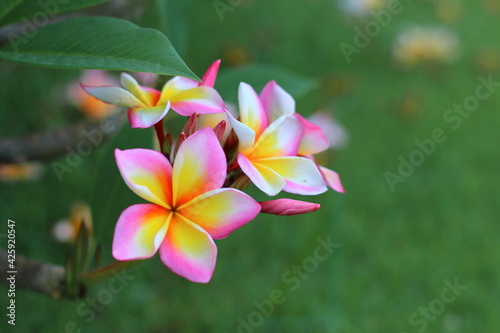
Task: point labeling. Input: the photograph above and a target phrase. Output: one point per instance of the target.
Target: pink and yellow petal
(314, 139)
(301, 174)
(214, 119)
(188, 250)
(208, 79)
(147, 117)
(140, 231)
(332, 179)
(246, 135)
(251, 110)
(267, 180)
(281, 138)
(148, 173)
(148, 96)
(276, 101)
(199, 166)
(220, 212)
(114, 95)
(176, 86)
(201, 100)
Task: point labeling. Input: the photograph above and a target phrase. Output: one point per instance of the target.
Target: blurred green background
(396, 247)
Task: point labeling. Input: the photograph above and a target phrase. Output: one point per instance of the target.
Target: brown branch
(55, 143)
(33, 275)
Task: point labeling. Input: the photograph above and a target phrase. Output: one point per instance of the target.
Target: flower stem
(160, 133)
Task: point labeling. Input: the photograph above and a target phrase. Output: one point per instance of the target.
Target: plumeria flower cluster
(426, 44)
(194, 184)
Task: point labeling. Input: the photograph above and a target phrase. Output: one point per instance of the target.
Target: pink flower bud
(287, 207)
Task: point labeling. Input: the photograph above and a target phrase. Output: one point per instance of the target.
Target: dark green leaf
(41, 11)
(6, 6)
(172, 18)
(97, 43)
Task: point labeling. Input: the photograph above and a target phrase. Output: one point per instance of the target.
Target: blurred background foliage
(396, 248)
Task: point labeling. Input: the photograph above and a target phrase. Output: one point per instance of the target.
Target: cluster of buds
(194, 182)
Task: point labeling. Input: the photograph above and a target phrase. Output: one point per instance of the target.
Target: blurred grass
(396, 248)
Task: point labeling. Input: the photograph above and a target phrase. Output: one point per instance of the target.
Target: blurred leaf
(40, 9)
(70, 274)
(6, 6)
(81, 248)
(97, 43)
(257, 75)
(173, 17)
(97, 256)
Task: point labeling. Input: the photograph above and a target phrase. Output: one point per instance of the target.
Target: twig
(54, 143)
(34, 275)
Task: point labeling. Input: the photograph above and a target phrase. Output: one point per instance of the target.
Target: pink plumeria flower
(188, 207)
(269, 144)
(335, 133)
(93, 108)
(147, 106)
(278, 103)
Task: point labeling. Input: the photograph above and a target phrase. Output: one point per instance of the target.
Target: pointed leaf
(81, 247)
(7, 6)
(41, 10)
(97, 43)
(70, 274)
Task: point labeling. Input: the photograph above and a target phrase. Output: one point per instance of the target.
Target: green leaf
(70, 275)
(41, 11)
(6, 6)
(81, 248)
(97, 43)
(257, 75)
(172, 18)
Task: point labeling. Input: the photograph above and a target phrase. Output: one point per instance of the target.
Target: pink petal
(221, 211)
(199, 166)
(208, 79)
(336, 133)
(281, 138)
(148, 173)
(201, 100)
(176, 86)
(288, 207)
(139, 232)
(314, 139)
(251, 110)
(147, 117)
(332, 179)
(188, 250)
(267, 180)
(115, 96)
(301, 174)
(276, 101)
